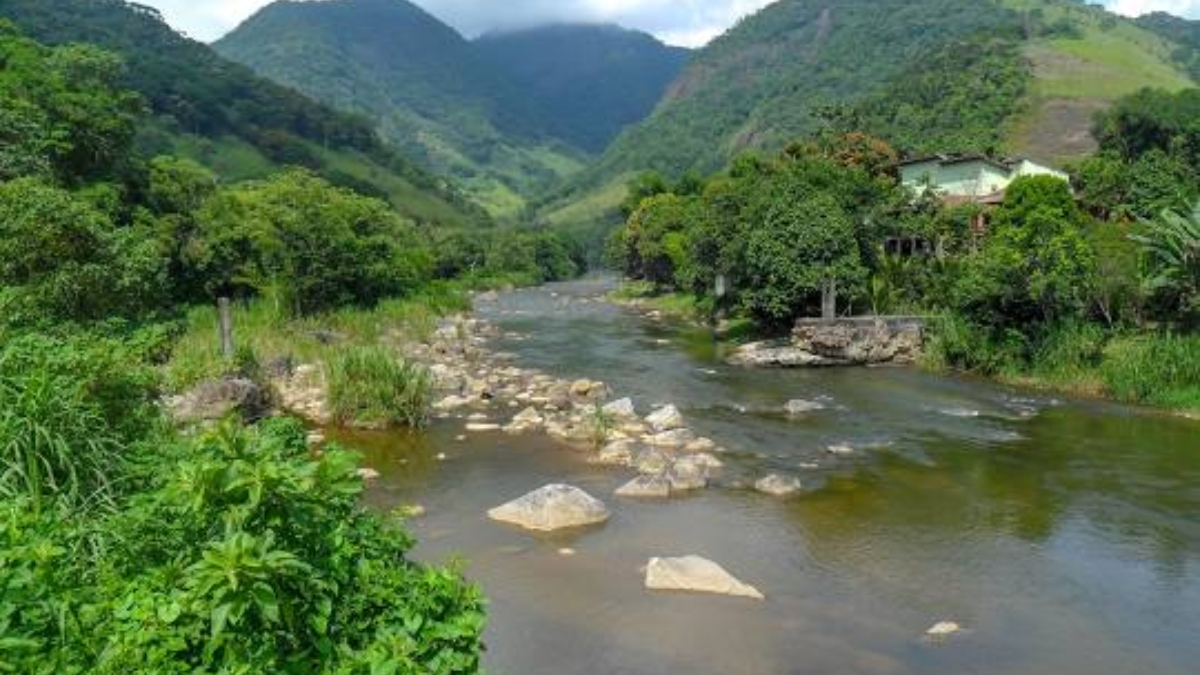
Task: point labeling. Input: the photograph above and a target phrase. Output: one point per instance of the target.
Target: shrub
(372, 386)
(245, 556)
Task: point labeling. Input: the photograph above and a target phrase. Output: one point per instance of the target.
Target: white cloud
(1188, 8)
(687, 22)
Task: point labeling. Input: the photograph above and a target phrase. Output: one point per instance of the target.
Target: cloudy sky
(683, 22)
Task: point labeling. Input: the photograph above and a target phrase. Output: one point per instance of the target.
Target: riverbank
(1160, 372)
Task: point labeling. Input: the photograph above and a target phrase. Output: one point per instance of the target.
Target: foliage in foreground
(243, 555)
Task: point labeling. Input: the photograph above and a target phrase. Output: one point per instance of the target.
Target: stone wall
(840, 342)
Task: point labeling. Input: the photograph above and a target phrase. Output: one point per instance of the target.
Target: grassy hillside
(237, 123)
(1084, 59)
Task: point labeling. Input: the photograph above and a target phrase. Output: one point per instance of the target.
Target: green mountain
(490, 114)
(221, 114)
(589, 81)
(1017, 76)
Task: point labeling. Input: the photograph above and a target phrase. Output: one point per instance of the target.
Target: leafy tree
(318, 246)
(61, 260)
(799, 246)
(1035, 264)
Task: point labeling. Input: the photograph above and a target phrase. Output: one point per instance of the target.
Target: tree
(798, 247)
(61, 260)
(1173, 246)
(1035, 266)
(316, 246)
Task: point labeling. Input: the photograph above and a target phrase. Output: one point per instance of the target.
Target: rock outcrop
(839, 342)
(695, 574)
(217, 399)
(553, 507)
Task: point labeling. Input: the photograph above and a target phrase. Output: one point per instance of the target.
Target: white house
(970, 178)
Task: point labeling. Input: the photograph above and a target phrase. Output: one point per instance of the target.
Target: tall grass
(368, 385)
(1162, 370)
(265, 328)
(68, 411)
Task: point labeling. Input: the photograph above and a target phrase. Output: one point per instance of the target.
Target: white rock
(695, 574)
(665, 419)
(778, 486)
(622, 409)
(687, 474)
(368, 473)
(943, 629)
(674, 438)
(646, 486)
(652, 461)
(552, 507)
(706, 460)
(840, 449)
(617, 453)
(799, 407)
(700, 445)
(482, 427)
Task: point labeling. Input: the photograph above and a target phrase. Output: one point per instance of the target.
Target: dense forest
(509, 116)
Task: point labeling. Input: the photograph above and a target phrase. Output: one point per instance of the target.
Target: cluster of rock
(839, 342)
(557, 507)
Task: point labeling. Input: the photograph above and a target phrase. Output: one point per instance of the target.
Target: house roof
(948, 160)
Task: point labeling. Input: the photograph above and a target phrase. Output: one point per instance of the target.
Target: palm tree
(1173, 244)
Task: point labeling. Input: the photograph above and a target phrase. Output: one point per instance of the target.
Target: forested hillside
(508, 118)
(238, 124)
(1013, 76)
(589, 81)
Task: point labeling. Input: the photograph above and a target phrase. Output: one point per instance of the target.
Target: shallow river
(1063, 535)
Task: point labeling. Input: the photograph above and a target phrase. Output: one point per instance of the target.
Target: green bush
(244, 556)
(369, 385)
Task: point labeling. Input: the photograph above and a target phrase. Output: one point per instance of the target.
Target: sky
(690, 23)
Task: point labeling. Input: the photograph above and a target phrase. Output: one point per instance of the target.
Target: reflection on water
(1065, 536)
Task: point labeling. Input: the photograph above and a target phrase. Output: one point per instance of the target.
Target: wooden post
(225, 319)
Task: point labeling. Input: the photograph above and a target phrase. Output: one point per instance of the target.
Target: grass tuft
(368, 385)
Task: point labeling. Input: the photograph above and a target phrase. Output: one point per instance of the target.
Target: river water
(1064, 536)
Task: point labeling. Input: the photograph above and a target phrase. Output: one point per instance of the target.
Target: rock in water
(687, 474)
(697, 575)
(778, 486)
(646, 486)
(550, 508)
(799, 407)
(617, 453)
(943, 629)
(665, 419)
(622, 409)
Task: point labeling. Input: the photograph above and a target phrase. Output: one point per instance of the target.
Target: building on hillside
(969, 179)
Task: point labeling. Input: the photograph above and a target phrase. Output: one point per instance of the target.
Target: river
(1064, 536)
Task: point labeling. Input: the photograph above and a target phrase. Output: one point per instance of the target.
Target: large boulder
(666, 418)
(778, 486)
(304, 394)
(695, 574)
(652, 461)
(553, 507)
(217, 399)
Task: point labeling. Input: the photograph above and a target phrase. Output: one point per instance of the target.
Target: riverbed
(1062, 535)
